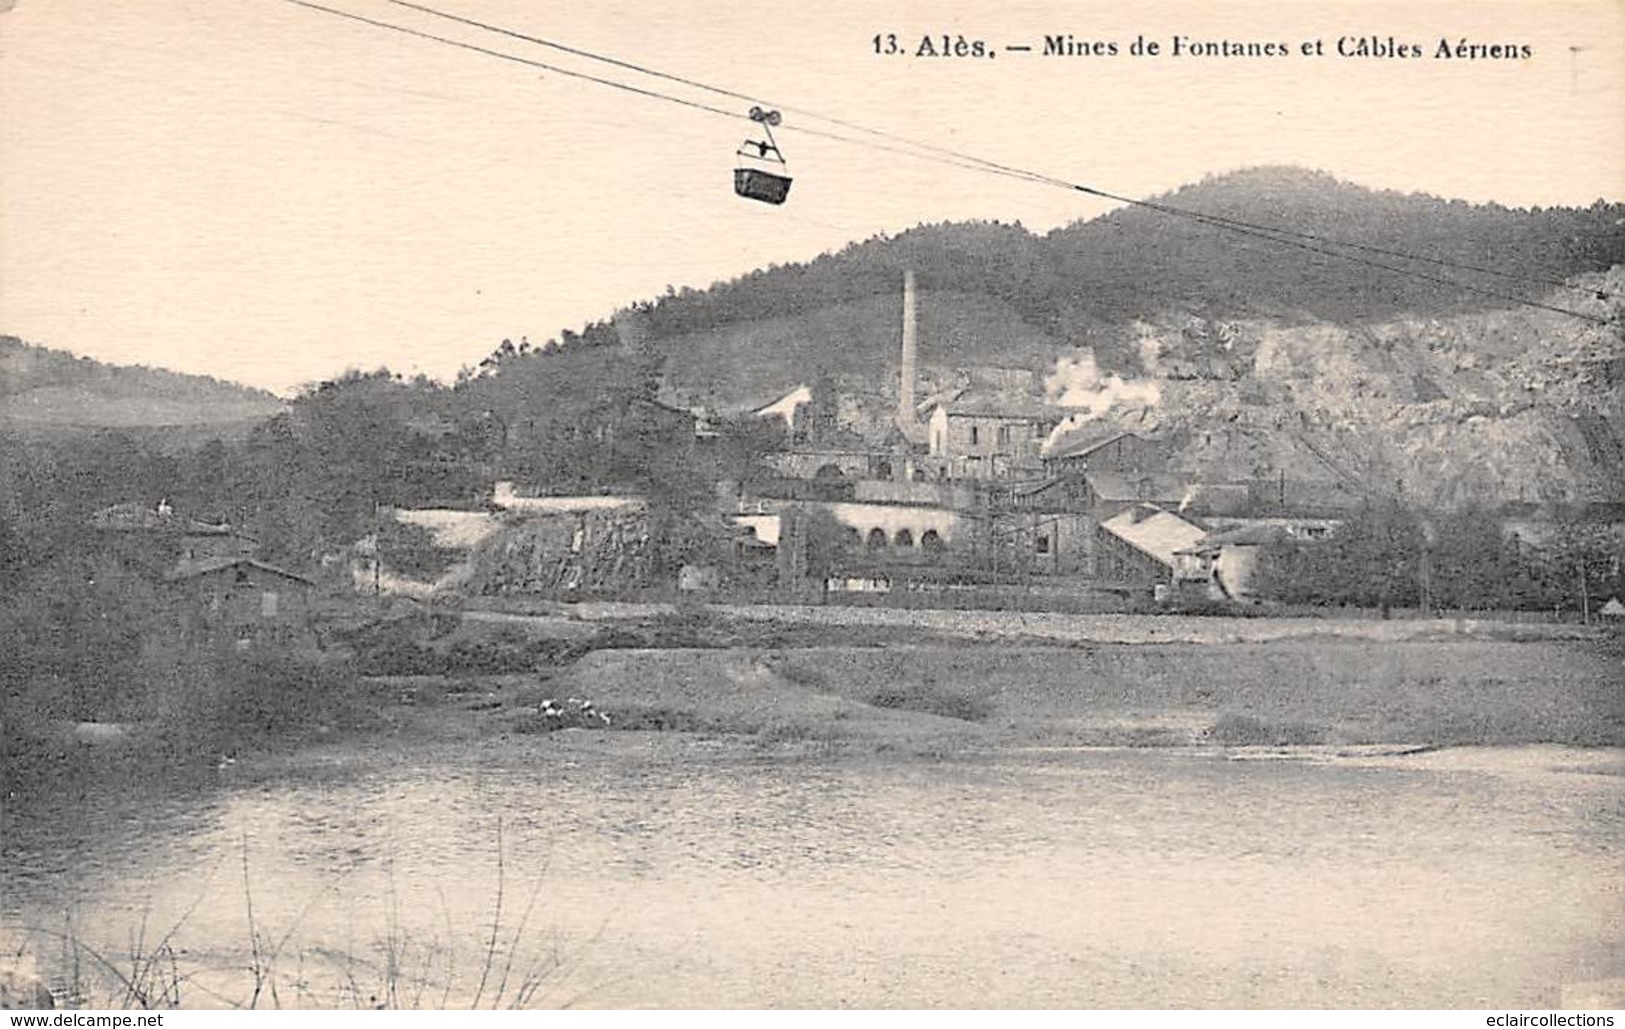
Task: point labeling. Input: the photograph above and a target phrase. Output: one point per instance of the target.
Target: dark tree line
(1390, 556)
(1079, 281)
(312, 479)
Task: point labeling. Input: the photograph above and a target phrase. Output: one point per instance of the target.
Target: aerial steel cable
(953, 158)
(968, 163)
(696, 84)
(404, 30)
(1368, 247)
(960, 156)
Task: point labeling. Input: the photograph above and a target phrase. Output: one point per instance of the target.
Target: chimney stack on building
(906, 415)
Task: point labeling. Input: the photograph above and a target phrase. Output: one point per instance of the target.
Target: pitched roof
(784, 406)
(210, 565)
(1241, 536)
(1082, 444)
(942, 396)
(1123, 486)
(756, 402)
(1154, 532)
(985, 404)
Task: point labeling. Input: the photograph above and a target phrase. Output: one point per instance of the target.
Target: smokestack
(907, 373)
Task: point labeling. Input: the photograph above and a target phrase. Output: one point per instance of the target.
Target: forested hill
(42, 388)
(1090, 278)
(1271, 354)
(1239, 274)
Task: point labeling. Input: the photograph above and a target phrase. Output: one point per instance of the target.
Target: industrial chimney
(907, 373)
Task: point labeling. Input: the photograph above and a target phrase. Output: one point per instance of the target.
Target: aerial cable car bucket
(760, 172)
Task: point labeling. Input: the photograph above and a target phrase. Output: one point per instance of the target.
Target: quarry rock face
(563, 551)
(1494, 406)
(1503, 403)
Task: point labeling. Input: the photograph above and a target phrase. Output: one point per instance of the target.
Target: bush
(932, 700)
(660, 718)
(1233, 730)
(409, 647)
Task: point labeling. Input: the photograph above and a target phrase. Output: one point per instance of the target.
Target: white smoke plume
(1078, 383)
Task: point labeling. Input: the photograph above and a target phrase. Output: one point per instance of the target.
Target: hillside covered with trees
(1084, 283)
(1269, 363)
(45, 389)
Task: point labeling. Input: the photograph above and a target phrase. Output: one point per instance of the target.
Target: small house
(244, 600)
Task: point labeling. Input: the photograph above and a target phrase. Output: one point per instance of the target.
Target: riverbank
(936, 696)
(681, 869)
(777, 689)
(920, 682)
(880, 618)
(1247, 816)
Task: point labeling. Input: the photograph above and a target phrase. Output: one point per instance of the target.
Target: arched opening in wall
(932, 543)
(882, 468)
(877, 539)
(827, 472)
(851, 536)
(904, 538)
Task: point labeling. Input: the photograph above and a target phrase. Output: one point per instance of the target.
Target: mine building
(1106, 450)
(990, 437)
(244, 600)
(1141, 545)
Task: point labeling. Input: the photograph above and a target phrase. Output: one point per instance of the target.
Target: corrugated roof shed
(1152, 531)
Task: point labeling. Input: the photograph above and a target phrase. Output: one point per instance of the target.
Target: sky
(269, 193)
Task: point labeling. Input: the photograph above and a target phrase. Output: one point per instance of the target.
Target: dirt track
(1066, 628)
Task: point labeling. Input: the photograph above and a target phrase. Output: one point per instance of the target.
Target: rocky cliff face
(1498, 405)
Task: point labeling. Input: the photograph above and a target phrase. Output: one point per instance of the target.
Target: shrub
(933, 700)
(1233, 730)
(407, 647)
(660, 718)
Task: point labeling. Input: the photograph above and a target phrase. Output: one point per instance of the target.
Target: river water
(634, 872)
